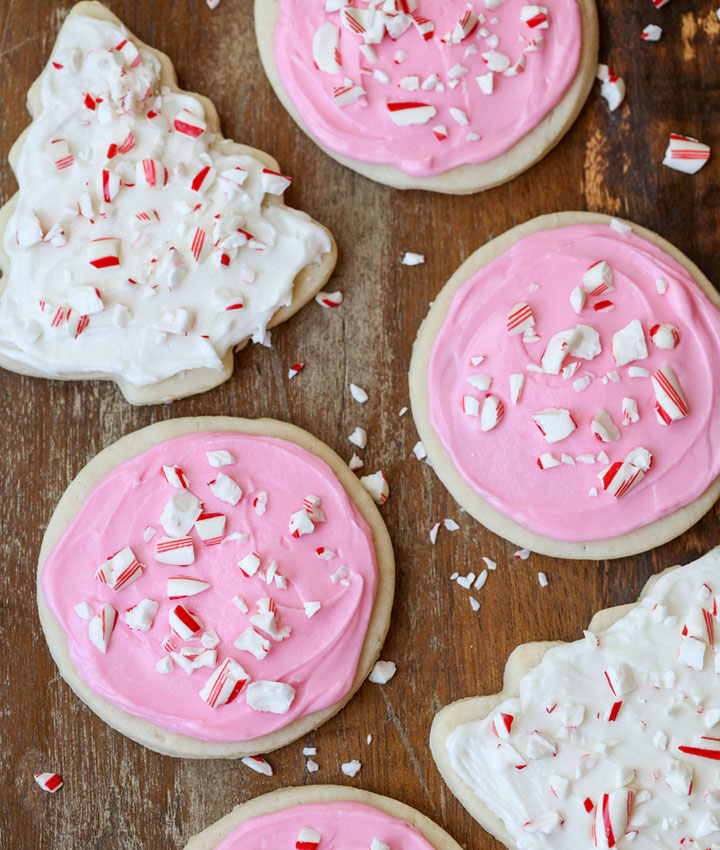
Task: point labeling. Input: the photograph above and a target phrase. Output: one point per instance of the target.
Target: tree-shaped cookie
(142, 246)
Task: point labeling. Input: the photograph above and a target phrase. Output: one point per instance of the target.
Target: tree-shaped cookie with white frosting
(142, 247)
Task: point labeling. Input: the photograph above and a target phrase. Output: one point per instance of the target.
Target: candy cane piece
(598, 279)
(226, 489)
(377, 486)
(60, 154)
(630, 411)
(496, 61)
(211, 528)
(293, 370)
(557, 350)
(180, 512)
(184, 624)
(273, 182)
(101, 627)
(224, 685)
(150, 172)
(465, 26)
(258, 764)
(679, 775)
(175, 477)
(425, 27)
(129, 53)
(652, 32)
(612, 86)
(329, 299)
(253, 642)
(104, 253)
(308, 839)
(604, 428)
(686, 154)
(405, 114)
(141, 616)
(51, 782)
(520, 319)
(249, 564)
(611, 817)
(548, 461)
(491, 413)
(536, 17)
(517, 382)
(326, 49)
(628, 344)
(189, 124)
(555, 423)
(670, 403)
(271, 697)
(220, 457)
(178, 587)
(348, 93)
(665, 336)
(300, 524)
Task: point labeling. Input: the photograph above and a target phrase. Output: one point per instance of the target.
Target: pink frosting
(350, 826)
(501, 464)
(364, 131)
(320, 657)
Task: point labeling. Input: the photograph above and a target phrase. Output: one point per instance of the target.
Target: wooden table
(119, 795)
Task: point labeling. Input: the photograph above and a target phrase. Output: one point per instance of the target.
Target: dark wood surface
(121, 796)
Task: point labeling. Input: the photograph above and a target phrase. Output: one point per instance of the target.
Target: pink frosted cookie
(610, 741)
(323, 817)
(215, 587)
(142, 247)
(565, 387)
(434, 94)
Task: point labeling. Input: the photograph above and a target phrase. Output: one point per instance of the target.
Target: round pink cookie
(215, 586)
(448, 96)
(323, 817)
(565, 388)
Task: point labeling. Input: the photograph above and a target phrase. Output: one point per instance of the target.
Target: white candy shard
(679, 778)
(226, 489)
(406, 114)
(273, 697)
(141, 616)
(598, 279)
(665, 336)
(577, 299)
(351, 768)
(382, 672)
(179, 514)
(84, 610)
(250, 564)
(586, 344)
(266, 620)
(558, 349)
(548, 461)
(220, 457)
(178, 587)
(258, 764)
(411, 259)
(628, 344)
(359, 438)
(358, 393)
(555, 423)
(491, 413)
(480, 382)
(612, 814)
(210, 528)
(311, 608)
(517, 382)
(604, 428)
(253, 642)
(377, 486)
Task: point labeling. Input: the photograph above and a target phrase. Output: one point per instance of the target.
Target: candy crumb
(542, 578)
(351, 768)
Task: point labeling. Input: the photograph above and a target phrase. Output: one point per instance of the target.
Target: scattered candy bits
(51, 782)
(686, 154)
(612, 88)
(382, 672)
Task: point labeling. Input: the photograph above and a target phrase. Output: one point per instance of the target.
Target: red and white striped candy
(621, 679)
(203, 180)
(175, 476)
(104, 253)
(407, 113)
(150, 172)
(311, 505)
(425, 27)
(536, 17)
(520, 319)
(612, 88)
(329, 299)
(365, 22)
(51, 782)
(621, 477)
(266, 620)
(60, 154)
(502, 725)
(258, 764)
(377, 486)
(652, 32)
(491, 413)
(260, 502)
(273, 182)
(189, 124)
(699, 624)
(109, 185)
(628, 344)
(178, 587)
(516, 68)
(670, 403)
(598, 279)
(612, 814)
(293, 370)
(555, 423)
(253, 642)
(129, 53)
(224, 684)
(326, 49)
(604, 428)
(665, 336)
(184, 624)
(517, 382)
(308, 839)
(210, 528)
(180, 512)
(548, 461)
(250, 564)
(464, 26)
(630, 411)
(686, 154)
(300, 524)
(101, 627)
(226, 489)
(197, 243)
(121, 570)
(178, 551)
(347, 94)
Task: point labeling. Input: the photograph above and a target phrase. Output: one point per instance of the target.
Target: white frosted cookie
(441, 95)
(564, 385)
(323, 817)
(142, 247)
(611, 741)
(215, 587)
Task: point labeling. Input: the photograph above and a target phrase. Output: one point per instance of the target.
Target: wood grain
(119, 795)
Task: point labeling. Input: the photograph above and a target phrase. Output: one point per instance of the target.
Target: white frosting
(173, 317)
(665, 705)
